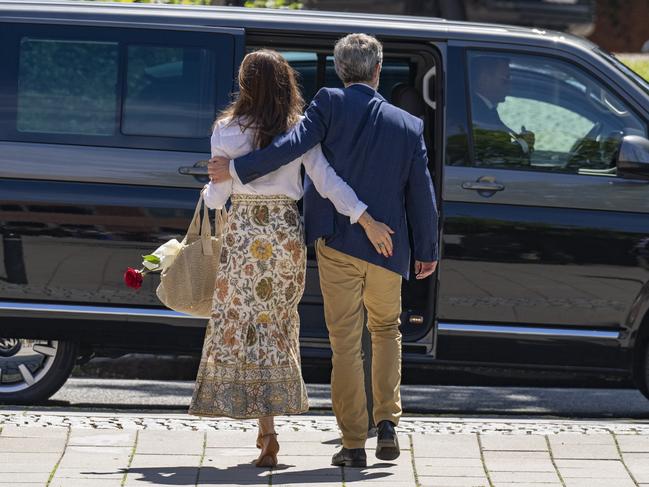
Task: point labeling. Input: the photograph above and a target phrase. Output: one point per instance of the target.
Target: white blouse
(229, 141)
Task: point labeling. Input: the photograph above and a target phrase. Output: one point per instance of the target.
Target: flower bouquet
(158, 261)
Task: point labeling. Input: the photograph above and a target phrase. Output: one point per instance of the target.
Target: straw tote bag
(187, 284)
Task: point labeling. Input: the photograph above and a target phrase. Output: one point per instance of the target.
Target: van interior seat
(408, 98)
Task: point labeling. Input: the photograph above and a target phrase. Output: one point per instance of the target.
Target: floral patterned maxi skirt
(250, 363)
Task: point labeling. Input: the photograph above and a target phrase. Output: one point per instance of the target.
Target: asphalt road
(153, 395)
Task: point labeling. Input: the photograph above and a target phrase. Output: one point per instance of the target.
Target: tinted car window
(394, 71)
(169, 91)
(540, 113)
(67, 86)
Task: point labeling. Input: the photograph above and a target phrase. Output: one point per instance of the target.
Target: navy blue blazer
(379, 150)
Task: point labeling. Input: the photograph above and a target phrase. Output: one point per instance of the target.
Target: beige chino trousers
(349, 287)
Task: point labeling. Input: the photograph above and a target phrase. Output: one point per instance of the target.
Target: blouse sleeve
(217, 194)
(331, 186)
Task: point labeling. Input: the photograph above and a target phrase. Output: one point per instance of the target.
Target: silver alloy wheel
(24, 362)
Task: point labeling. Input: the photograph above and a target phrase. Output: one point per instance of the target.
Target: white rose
(166, 253)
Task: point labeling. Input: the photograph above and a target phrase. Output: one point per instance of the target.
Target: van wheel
(33, 370)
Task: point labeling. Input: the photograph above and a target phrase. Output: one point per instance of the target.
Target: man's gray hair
(356, 57)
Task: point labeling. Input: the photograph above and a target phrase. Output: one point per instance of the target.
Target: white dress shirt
(229, 141)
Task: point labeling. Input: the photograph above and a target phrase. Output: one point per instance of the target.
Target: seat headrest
(408, 98)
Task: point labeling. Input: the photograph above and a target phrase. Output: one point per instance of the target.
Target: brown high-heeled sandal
(268, 457)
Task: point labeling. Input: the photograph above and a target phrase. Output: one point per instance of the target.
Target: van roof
(298, 21)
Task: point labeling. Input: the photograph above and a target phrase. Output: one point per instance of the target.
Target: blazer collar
(366, 89)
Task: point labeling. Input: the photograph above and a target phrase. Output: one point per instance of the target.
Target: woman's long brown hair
(269, 99)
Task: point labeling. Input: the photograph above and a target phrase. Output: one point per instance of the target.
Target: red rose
(133, 278)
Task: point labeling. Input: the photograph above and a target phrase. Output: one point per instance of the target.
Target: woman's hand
(378, 233)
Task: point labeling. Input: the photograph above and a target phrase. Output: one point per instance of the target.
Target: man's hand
(218, 169)
(378, 233)
(424, 269)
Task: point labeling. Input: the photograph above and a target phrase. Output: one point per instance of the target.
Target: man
(494, 140)
(379, 151)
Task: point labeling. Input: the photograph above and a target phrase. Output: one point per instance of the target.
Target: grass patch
(640, 66)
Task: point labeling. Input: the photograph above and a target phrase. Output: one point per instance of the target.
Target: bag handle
(201, 228)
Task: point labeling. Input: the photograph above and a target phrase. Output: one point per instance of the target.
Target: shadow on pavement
(247, 474)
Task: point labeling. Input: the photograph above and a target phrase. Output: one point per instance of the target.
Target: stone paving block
(439, 471)
(142, 460)
(638, 464)
(580, 439)
(84, 483)
(530, 477)
(501, 442)
(31, 445)
(26, 462)
(453, 482)
(610, 469)
(447, 462)
(91, 437)
(243, 475)
(500, 461)
(224, 439)
(589, 451)
(295, 448)
(633, 443)
(14, 431)
(170, 442)
(86, 473)
(299, 466)
(218, 469)
(17, 478)
(449, 446)
(392, 471)
(595, 482)
(374, 483)
(310, 436)
(162, 476)
(310, 484)
(95, 456)
(526, 484)
(22, 484)
(516, 455)
(250, 452)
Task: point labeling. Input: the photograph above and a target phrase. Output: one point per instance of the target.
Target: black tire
(49, 380)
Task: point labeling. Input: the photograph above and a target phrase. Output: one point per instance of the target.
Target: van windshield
(632, 75)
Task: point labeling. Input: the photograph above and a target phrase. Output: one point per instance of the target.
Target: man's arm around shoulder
(290, 145)
(421, 210)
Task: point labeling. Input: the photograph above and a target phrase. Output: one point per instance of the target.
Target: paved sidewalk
(79, 449)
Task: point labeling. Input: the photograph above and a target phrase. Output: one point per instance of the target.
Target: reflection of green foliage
(67, 87)
(273, 4)
(256, 3)
(495, 148)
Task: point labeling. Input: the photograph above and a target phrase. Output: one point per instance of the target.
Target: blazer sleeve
(421, 208)
(331, 186)
(290, 145)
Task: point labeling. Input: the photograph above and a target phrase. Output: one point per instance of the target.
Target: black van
(105, 113)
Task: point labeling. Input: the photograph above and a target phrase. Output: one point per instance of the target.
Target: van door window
(395, 71)
(169, 91)
(67, 86)
(539, 113)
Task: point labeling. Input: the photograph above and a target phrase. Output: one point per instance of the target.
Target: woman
(250, 365)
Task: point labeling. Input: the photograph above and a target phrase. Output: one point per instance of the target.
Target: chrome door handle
(198, 169)
(483, 186)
